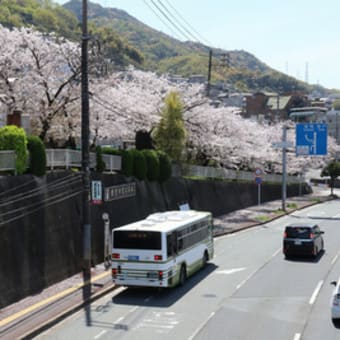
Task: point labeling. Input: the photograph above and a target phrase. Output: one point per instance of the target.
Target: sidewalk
(259, 214)
(67, 294)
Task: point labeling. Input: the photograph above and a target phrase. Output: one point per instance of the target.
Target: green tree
(332, 169)
(170, 134)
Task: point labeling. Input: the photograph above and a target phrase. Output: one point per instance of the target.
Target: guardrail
(62, 158)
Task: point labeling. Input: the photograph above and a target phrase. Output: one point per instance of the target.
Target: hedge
(37, 152)
(14, 138)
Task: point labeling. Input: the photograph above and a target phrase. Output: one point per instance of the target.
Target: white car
(335, 302)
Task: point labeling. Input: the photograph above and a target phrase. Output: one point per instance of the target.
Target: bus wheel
(182, 275)
(205, 259)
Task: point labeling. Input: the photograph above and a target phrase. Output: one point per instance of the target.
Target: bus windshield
(137, 239)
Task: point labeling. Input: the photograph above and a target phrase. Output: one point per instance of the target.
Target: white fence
(7, 160)
(205, 171)
(66, 158)
(62, 158)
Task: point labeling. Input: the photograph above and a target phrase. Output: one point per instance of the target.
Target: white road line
(316, 292)
(245, 280)
(335, 258)
(100, 334)
(201, 326)
(276, 252)
(337, 215)
(119, 320)
(297, 336)
(148, 299)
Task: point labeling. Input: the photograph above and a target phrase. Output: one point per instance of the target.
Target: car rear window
(298, 232)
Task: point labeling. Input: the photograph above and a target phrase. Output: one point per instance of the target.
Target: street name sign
(311, 139)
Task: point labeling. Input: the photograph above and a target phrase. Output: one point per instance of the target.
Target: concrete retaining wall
(41, 227)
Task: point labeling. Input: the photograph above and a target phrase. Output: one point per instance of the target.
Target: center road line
(335, 258)
(316, 292)
(201, 327)
(100, 334)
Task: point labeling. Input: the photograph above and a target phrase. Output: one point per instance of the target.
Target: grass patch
(292, 205)
(262, 218)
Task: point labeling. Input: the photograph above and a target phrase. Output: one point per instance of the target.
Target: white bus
(162, 250)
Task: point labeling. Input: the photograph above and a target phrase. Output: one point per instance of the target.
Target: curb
(61, 316)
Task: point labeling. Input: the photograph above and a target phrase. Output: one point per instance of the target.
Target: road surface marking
(297, 336)
(42, 303)
(201, 326)
(245, 280)
(316, 292)
(276, 252)
(335, 258)
(100, 334)
(229, 271)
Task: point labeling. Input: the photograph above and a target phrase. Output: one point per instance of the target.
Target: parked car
(335, 301)
(302, 239)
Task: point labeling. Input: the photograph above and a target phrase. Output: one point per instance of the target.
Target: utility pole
(85, 133)
(209, 73)
(278, 107)
(284, 162)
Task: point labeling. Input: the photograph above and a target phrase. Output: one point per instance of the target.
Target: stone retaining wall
(41, 227)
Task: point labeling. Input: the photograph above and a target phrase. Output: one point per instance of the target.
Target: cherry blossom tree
(39, 74)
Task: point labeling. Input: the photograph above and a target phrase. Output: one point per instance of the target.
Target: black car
(302, 239)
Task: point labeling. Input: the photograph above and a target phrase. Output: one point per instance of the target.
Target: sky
(298, 37)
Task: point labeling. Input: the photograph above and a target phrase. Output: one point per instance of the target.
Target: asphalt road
(248, 292)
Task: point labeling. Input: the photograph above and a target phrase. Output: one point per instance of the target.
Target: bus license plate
(133, 257)
(152, 275)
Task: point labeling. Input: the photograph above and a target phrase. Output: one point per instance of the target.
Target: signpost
(258, 180)
(311, 139)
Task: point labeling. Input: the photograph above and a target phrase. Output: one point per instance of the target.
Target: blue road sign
(311, 139)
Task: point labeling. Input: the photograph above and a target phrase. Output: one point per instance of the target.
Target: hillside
(124, 40)
(165, 54)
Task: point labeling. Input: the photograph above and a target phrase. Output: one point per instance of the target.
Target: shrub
(127, 163)
(139, 165)
(165, 169)
(152, 163)
(100, 164)
(14, 138)
(37, 158)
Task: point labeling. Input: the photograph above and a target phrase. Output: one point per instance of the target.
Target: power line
(61, 182)
(178, 22)
(188, 24)
(170, 21)
(164, 23)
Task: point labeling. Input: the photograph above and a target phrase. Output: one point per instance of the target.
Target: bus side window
(169, 245)
(174, 242)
